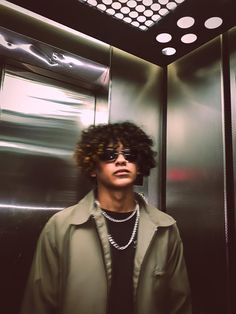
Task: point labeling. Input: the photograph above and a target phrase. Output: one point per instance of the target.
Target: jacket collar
(86, 208)
(83, 210)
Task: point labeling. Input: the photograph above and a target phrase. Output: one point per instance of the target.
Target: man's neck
(116, 200)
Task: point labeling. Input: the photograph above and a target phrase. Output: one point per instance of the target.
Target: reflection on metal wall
(232, 46)
(195, 178)
(233, 99)
(41, 121)
(75, 68)
(43, 30)
(136, 95)
(40, 124)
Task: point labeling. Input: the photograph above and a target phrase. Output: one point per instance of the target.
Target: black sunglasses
(110, 154)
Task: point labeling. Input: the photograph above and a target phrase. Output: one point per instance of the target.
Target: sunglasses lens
(112, 154)
(130, 155)
(108, 155)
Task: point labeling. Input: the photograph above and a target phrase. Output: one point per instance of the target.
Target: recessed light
(92, 2)
(163, 1)
(132, 4)
(111, 11)
(163, 37)
(116, 5)
(143, 28)
(171, 5)
(188, 38)
(119, 15)
(147, 2)
(168, 51)
(185, 22)
(140, 8)
(148, 13)
(155, 6)
(213, 22)
(125, 10)
(135, 23)
(163, 12)
(107, 2)
(156, 17)
(141, 18)
(133, 14)
(101, 7)
(148, 23)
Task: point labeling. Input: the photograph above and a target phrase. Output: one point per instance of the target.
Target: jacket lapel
(146, 231)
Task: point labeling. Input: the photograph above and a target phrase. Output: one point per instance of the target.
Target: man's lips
(121, 172)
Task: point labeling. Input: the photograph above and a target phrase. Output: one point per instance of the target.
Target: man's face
(118, 172)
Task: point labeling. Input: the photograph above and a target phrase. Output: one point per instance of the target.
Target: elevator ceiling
(159, 31)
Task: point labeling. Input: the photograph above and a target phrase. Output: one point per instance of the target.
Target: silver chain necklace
(120, 220)
(117, 246)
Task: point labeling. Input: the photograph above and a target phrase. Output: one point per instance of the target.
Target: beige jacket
(71, 271)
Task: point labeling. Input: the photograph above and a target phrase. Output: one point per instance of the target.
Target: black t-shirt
(121, 292)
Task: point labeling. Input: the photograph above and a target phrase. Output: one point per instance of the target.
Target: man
(112, 252)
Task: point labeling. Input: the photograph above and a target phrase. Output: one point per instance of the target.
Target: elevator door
(41, 120)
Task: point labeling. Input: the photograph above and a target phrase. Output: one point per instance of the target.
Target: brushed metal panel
(40, 124)
(32, 52)
(232, 44)
(136, 95)
(195, 173)
(44, 30)
(232, 51)
(41, 120)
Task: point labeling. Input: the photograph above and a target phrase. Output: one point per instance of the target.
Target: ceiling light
(163, 1)
(168, 51)
(111, 11)
(147, 2)
(135, 12)
(163, 38)
(132, 4)
(125, 10)
(186, 22)
(188, 38)
(163, 12)
(155, 6)
(156, 17)
(116, 5)
(213, 22)
(171, 5)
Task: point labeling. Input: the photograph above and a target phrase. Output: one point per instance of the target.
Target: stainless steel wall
(136, 95)
(195, 189)
(41, 120)
(232, 46)
(232, 64)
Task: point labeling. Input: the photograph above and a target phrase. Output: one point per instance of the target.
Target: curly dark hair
(96, 138)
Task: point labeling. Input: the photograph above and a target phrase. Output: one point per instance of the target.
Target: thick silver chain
(117, 246)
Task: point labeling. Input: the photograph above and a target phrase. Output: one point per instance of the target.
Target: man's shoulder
(159, 217)
(72, 215)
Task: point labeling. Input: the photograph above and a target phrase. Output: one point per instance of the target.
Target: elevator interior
(56, 81)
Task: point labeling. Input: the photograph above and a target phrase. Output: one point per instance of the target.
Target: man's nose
(121, 159)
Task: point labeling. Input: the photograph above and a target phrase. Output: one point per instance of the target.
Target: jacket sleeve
(41, 294)
(179, 290)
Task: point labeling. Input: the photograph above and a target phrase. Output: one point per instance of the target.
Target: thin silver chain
(117, 246)
(120, 220)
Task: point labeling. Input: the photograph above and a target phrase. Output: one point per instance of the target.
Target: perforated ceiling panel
(159, 31)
